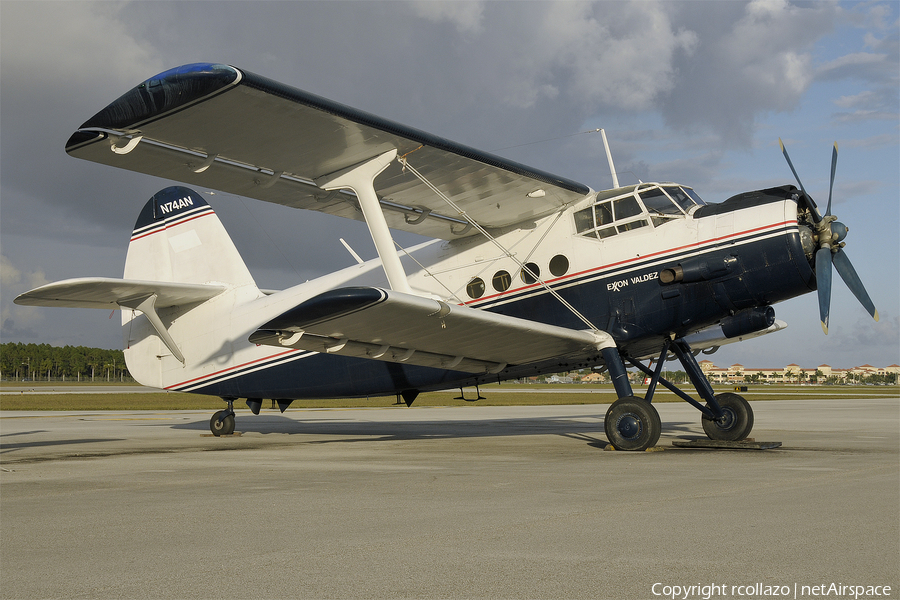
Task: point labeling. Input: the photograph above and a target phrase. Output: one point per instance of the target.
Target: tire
(220, 425)
(632, 424)
(737, 421)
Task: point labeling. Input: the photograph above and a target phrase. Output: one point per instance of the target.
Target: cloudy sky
(694, 92)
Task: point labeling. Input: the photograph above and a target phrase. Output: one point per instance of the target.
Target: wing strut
(147, 305)
(361, 179)
(483, 231)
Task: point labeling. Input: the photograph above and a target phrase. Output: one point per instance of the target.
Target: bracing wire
(491, 238)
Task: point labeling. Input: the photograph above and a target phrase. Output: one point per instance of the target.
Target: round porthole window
(559, 265)
(530, 273)
(475, 288)
(501, 281)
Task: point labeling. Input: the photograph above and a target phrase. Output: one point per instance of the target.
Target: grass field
(14, 397)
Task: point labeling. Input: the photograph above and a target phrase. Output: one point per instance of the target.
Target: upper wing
(219, 127)
(102, 292)
(396, 327)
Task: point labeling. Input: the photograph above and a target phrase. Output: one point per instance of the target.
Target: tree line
(43, 362)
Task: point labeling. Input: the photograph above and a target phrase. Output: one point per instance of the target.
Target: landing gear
(632, 424)
(726, 417)
(736, 420)
(222, 422)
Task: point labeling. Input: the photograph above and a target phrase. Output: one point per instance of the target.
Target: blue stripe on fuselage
(317, 375)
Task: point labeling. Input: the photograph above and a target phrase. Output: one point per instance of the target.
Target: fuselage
(604, 256)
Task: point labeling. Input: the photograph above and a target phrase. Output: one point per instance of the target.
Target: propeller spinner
(830, 233)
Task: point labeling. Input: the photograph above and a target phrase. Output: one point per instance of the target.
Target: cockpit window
(657, 201)
(697, 200)
(625, 209)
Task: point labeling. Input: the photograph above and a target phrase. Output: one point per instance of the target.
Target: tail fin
(179, 239)
(183, 279)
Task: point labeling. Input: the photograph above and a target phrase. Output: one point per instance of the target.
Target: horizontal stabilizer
(396, 327)
(106, 293)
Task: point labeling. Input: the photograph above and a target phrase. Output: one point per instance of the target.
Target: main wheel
(221, 425)
(736, 422)
(632, 424)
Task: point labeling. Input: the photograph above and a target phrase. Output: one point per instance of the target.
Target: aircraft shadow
(585, 428)
(6, 448)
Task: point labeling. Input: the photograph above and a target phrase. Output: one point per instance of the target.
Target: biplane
(524, 272)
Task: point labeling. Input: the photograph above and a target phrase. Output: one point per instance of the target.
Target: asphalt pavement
(460, 502)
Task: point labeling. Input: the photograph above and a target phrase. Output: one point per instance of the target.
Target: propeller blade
(809, 203)
(848, 274)
(823, 283)
(831, 185)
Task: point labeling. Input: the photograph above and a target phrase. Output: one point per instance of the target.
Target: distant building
(792, 373)
(594, 378)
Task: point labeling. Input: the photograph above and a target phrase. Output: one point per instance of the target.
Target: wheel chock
(746, 444)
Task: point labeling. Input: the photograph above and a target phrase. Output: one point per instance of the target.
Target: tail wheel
(736, 422)
(222, 423)
(632, 424)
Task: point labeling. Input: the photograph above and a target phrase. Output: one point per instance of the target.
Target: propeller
(830, 234)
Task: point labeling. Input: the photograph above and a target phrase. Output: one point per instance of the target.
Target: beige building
(792, 373)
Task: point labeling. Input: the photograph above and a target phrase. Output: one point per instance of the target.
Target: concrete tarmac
(459, 502)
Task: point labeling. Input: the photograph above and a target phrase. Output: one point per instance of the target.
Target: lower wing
(396, 327)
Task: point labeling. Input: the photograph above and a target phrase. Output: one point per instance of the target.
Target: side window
(559, 265)
(606, 218)
(626, 207)
(584, 220)
(501, 281)
(603, 212)
(530, 273)
(631, 225)
(475, 288)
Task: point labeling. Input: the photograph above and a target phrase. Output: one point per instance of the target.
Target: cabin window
(501, 281)
(475, 288)
(559, 265)
(530, 273)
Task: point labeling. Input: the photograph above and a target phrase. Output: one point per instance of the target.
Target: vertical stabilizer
(178, 238)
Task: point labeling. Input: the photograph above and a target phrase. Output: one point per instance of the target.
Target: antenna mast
(612, 167)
